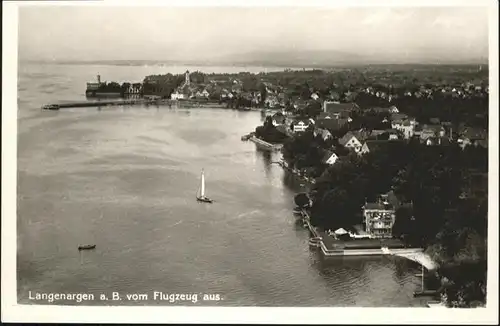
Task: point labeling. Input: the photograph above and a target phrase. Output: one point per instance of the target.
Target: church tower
(187, 81)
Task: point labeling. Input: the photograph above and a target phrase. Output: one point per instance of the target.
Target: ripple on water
(202, 137)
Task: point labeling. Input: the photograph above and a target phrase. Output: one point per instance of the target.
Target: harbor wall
(137, 101)
(68, 105)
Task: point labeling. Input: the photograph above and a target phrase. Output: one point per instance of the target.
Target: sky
(168, 33)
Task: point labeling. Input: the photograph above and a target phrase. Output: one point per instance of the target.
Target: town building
(370, 145)
(330, 158)
(430, 130)
(339, 110)
(300, 125)
(437, 141)
(392, 134)
(379, 217)
(94, 86)
(278, 119)
(403, 123)
(324, 133)
(183, 92)
(272, 101)
(331, 124)
(349, 140)
(473, 136)
(392, 109)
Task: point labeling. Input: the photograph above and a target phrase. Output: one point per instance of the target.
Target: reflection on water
(125, 179)
(266, 159)
(293, 182)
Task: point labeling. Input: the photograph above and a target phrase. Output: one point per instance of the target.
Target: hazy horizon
(255, 34)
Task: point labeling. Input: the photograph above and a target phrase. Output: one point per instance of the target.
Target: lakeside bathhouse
(380, 216)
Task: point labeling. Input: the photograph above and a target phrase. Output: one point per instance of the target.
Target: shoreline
(295, 172)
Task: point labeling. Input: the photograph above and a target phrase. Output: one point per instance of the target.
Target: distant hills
(328, 58)
(293, 59)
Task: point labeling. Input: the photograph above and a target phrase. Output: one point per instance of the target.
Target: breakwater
(84, 104)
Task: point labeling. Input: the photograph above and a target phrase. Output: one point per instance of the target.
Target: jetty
(84, 104)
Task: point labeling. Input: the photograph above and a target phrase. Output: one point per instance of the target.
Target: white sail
(202, 188)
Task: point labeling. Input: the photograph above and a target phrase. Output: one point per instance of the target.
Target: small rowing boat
(50, 107)
(86, 247)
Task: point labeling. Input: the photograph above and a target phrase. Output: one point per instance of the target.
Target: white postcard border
(12, 312)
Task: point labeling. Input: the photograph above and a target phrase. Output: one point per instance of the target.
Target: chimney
(98, 79)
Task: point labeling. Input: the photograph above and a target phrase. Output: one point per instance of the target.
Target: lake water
(125, 179)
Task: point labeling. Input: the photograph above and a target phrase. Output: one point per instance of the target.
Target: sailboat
(200, 196)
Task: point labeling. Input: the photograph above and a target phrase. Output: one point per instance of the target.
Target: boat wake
(176, 224)
(247, 214)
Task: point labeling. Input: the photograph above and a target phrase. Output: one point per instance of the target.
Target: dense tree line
(238, 102)
(346, 85)
(432, 179)
(473, 111)
(306, 151)
(162, 85)
(269, 133)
